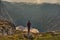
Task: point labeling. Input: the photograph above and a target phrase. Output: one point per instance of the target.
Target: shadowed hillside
(43, 16)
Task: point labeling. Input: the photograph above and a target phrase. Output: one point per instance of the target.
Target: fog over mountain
(35, 1)
(42, 16)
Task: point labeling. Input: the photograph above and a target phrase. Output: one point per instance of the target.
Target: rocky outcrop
(25, 29)
(20, 28)
(6, 27)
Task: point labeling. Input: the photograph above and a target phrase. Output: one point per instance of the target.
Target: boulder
(25, 29)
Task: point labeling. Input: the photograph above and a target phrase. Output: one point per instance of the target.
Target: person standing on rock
(28, 25)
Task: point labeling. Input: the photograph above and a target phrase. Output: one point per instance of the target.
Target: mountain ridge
(35, 1)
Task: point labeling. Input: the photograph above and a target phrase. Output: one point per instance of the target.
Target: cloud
(35, 1)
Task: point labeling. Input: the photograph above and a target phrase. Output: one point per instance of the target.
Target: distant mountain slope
(41, 16)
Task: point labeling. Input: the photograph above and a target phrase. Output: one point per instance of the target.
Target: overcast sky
(35, 1)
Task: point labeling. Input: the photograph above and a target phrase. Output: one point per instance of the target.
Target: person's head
(28, 20)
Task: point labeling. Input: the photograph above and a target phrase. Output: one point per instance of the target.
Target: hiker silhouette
(29, 36)
(28, 25)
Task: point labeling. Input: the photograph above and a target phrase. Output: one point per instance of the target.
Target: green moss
(20, 36)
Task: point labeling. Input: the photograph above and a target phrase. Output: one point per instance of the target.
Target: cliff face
(6, 27)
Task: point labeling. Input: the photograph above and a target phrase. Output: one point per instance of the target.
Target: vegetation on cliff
(19, 35)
